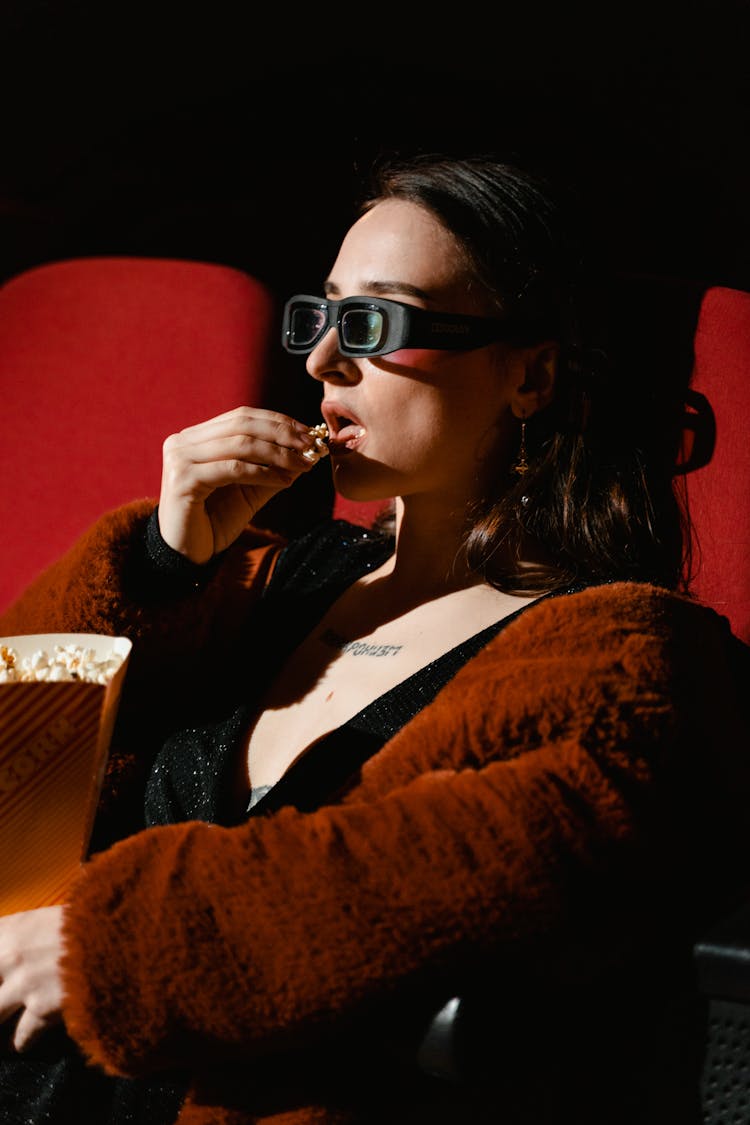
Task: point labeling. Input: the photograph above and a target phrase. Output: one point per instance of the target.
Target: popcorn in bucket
(59, 694)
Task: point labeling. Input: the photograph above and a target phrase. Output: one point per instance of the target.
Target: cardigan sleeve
(181, 629)
(101, 585)
(537, 784)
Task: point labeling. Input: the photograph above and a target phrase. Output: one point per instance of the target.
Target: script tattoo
(357, 648)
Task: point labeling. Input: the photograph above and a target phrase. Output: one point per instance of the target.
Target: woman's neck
(428, 558)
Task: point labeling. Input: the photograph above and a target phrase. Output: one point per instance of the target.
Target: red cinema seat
(719, 491)
(100, 359)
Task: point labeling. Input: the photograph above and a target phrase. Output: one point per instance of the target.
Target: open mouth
(348, 434)
(346, 431)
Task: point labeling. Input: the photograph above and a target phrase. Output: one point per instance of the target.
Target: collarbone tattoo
(356, 648)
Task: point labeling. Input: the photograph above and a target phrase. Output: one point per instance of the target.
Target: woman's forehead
(399, 241)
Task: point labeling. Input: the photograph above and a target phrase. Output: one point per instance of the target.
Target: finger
(254, 412)
(30, 1027)
(197, 480)
(292, 452)
(271, 425)
(218, 476)
(251, 448)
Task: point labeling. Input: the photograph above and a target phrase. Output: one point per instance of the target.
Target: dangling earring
(521, 464)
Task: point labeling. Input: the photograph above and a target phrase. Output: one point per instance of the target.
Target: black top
(192, 775)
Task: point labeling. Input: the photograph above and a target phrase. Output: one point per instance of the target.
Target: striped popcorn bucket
(54, 741)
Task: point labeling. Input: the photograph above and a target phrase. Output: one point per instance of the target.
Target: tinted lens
(306, 325)
(362, 329)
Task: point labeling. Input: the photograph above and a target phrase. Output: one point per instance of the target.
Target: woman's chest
(328, 680)
(339, 670)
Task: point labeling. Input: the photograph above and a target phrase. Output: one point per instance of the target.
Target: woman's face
(419, 420)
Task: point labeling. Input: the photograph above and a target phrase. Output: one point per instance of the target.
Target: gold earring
(521, 464)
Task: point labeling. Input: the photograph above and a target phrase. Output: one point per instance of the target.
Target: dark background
(239, 134)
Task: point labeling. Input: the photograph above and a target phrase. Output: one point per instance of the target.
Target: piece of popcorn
(321, 435)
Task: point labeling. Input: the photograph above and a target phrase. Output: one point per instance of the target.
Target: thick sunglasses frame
(404, 326)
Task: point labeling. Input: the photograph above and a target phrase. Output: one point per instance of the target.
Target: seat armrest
(722, 957)
(722, 966)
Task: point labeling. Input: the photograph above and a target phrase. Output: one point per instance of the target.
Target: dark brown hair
(597, 502)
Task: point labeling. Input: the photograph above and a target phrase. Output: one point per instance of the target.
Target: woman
(491, 754)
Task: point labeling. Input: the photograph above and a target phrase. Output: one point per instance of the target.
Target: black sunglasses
(374, 326)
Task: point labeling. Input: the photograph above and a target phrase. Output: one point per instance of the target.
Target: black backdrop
(238, 133)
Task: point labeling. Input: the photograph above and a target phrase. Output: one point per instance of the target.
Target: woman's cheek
(421, 359)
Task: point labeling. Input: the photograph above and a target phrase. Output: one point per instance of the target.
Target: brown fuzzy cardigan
(578, 786)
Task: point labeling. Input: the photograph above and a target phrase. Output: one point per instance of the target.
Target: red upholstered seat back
(719, 493)
(101, 359)
(362, 512)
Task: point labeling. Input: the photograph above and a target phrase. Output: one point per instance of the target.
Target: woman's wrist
(168, 568)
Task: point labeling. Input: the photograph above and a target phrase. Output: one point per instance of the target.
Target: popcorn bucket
(54, 742)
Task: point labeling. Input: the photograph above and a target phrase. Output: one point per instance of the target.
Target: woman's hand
(30, 983)
(218, 474)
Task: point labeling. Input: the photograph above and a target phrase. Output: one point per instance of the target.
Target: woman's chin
(358, 482)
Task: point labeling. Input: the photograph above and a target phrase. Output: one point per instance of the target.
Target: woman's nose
(325, 361)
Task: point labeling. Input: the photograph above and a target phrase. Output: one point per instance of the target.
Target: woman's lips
(345, 429)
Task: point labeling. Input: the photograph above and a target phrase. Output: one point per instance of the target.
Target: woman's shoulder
(621, 600)
(616, 617)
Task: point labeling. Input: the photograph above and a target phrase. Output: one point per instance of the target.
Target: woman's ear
(537, 375)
